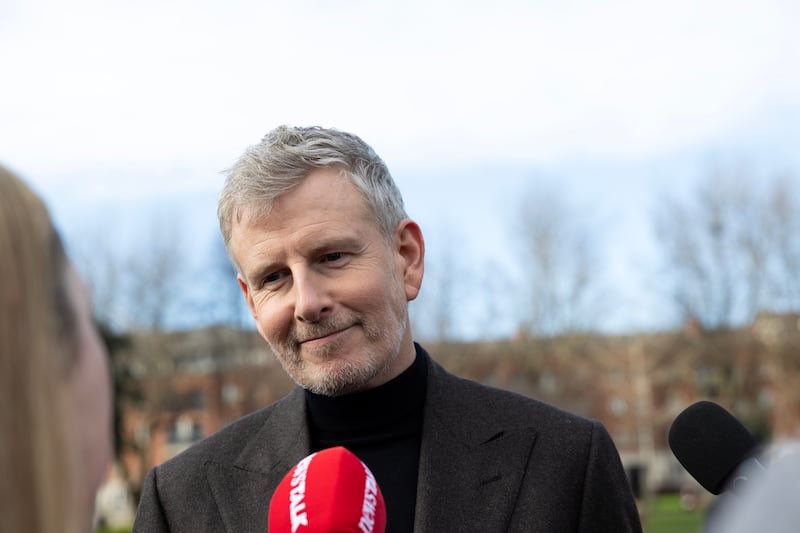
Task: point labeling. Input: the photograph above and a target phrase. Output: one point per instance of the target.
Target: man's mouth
(324, 338)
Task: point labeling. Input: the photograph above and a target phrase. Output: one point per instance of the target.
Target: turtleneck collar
(400, 399)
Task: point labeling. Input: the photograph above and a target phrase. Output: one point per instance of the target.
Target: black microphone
(714, 447)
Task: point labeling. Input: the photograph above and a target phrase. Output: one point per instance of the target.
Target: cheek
(378, 293)
(273, 321)
(91, 415)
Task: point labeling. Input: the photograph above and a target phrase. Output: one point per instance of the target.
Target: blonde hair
(38, 348)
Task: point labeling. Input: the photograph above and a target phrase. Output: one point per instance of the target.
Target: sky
(117, 110)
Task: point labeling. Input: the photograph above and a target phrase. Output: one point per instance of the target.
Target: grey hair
(286, 156)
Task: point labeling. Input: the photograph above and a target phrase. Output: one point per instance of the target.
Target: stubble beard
(336, 376)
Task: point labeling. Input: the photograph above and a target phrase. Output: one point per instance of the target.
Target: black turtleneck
(383, 427)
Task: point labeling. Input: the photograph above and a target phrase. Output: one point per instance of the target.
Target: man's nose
(312, 298)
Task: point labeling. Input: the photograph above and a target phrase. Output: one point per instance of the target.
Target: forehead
(325, 203)
(320, 189)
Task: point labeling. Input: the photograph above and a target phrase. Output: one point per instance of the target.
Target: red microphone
(330, 491)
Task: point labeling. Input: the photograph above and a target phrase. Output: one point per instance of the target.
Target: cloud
(112, 107)
(103, 82)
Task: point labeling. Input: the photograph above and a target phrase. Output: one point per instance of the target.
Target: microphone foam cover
(330, 491)
(710, 443)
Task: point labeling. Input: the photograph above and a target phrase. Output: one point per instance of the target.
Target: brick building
(176, 388)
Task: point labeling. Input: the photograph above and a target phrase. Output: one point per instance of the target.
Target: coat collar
(241, 489)
(471, 466)
(470, 472)
(281, 442)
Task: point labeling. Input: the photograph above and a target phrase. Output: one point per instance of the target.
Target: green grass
(666, 515)
(118, 530)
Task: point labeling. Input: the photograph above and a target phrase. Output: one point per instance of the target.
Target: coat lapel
(471, 468)
(243, 487)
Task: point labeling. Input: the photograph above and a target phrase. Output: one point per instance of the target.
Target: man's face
(328, 292)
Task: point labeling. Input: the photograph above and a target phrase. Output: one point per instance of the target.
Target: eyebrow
(318, 248)
(344, 243)
(252, 276)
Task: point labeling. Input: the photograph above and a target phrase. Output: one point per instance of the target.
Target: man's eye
(270, 278)
(332, 257)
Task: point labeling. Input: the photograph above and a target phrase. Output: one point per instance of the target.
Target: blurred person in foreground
(767, 501)
(328, 261)
(55, 392)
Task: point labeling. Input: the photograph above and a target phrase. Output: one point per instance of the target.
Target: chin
(336, 378)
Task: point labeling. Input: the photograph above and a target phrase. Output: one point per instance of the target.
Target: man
(327, 262)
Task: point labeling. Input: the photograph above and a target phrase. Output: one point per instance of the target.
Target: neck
(379, 405)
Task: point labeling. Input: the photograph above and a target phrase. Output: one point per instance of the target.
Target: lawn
(667, 516)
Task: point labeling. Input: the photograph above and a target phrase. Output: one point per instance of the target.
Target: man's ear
(247, 296)
(410, 249)
(250, 303)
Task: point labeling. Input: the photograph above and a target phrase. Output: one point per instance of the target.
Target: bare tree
(782, 238)
(559, 266)
(732, 249)
(101, 267)
(224, 301)
(497, 310)
(465, 293)
(136, 281)
(155, 271)
(434, 313)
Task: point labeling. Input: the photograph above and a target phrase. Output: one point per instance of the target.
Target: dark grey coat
(491, 461)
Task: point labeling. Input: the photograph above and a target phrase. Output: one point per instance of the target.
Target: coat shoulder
(229, 442)
(498, 406)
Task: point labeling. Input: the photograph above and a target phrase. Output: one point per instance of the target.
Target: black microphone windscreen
(710, 443)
